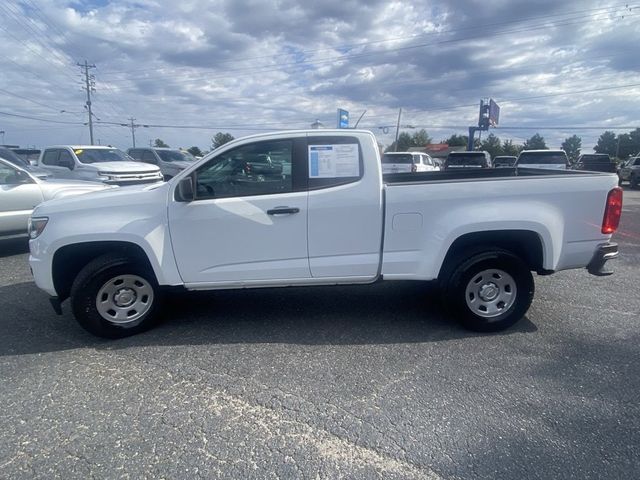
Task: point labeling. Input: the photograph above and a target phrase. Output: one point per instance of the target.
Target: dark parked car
(468, 160)
(595, 162)
(630, 172)
(504, 161)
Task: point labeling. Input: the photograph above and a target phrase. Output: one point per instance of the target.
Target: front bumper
(604, 253)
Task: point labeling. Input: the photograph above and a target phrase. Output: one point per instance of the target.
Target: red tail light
(612, 211)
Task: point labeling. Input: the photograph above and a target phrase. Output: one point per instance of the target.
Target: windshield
(175, 156)
(397, 158)
(466, 159)
(542, 158)
(10, 156)
(100, 155)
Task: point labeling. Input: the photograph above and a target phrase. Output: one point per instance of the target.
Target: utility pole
(133, 131)
(90, 86)
(132, 125)
(398, 129)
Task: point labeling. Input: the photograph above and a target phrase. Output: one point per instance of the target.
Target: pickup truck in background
(324, 216)
(96, 164)
(468, 159)
(596, 162)
(170, 161)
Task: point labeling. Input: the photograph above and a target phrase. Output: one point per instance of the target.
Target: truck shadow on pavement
(384, 313)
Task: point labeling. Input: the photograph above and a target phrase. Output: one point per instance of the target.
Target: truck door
(345, 206)
(248, 221)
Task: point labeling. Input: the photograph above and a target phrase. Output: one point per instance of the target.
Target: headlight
(36, 226)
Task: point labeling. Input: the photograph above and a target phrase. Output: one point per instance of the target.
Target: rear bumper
(604, 253)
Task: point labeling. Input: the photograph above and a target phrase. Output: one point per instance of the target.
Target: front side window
(65, 159)
(148, 157)
(8, 175)
(261, 168)
(50, 157)
(101, 155)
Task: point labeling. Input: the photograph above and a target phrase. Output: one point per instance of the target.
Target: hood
(38, 172)
(125, 167)
(101, 197)
(57, 188)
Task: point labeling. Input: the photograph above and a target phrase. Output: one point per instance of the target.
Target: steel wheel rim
(124, 299)
(490, 293)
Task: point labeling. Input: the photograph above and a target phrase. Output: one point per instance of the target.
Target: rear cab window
(404, 158)
(467, 158)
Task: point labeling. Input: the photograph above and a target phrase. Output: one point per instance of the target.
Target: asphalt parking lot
(354, 382)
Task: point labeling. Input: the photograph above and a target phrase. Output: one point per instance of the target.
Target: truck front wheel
(489, 290)
(114, 297)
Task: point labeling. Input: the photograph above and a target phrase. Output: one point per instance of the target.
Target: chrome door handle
(282, 211)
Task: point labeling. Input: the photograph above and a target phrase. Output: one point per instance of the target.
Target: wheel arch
(70, 259)
(526, 244)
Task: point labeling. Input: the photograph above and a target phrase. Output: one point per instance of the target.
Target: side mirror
(184, 191)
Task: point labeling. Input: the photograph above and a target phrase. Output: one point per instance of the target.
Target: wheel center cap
(488, 292)
(124, 297)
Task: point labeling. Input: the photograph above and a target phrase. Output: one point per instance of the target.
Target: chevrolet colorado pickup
(312, 208)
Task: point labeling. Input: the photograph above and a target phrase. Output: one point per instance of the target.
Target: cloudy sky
(249, 66)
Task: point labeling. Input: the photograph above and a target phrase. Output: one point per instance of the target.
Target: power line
(41, 119)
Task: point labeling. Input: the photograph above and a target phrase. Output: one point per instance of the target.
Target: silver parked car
(171, 161)
(20, 192)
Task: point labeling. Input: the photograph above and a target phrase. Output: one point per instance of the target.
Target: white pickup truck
(312, 208)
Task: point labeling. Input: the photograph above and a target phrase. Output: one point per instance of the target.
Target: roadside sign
(343, 118)
(494, 113)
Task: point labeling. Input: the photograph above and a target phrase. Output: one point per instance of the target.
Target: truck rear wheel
(489, 290)
(114, 297)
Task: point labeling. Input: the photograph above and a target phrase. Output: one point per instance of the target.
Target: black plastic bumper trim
(604, 253)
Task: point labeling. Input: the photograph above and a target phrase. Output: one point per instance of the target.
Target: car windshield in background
(397, 158)
(466, 159)
(542, 158)
(175, 156)
(100, 155)
(10, 156)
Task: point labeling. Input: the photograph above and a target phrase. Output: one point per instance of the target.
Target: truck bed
(470, 174)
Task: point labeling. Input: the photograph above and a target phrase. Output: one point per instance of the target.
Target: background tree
(508, 148)
(404, 142)
(457, 140)
(160, 144)
(572, 146)
(420, 138)
(195, 151)
(220, 139)
(535, 143)
(607, 143)
(492, 145)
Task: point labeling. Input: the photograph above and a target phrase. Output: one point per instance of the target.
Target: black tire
(470, 266)
(94, 277)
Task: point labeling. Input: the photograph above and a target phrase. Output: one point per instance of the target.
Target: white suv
(407, 162)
